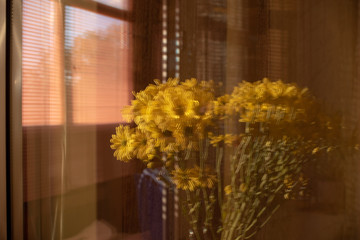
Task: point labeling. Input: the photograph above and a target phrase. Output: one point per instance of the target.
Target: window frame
(13, 112)
(3, 144)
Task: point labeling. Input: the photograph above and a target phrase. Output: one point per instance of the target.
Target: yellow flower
(227, 190)
(183, 179)
(203, 177)
(266, 101)
(276, 89)
(164, 140)
(143, 145)
(139, 107)
(288, 182)
(171, 82)
(260, 91)
(229, 139)
(291, 91)
(154, 164)
(122, 143)
(315, 150)
(243, 187)
(190, 83)
(174, 107)
(329, 149)
(303, 181)
(286, 196)
(215, 140)
(220, 106)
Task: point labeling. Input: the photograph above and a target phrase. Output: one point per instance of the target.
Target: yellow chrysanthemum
(315, 150)
(122, 143)
(215, 140)
(177, 104)
(228, 139)
(144, 145)
(138, 111)
(164, 140)
(219, 107)
(227, 190)
(205, 177)
(190, 83)
(183, 179)
(266, 101)
(174, 107)
(243, 187)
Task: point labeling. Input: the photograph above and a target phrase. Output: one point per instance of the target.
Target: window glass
(98, 66)
(120, 4)
(191, 165)
(43, 71)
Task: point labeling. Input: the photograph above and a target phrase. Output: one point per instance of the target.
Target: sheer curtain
(311, 43)
(315, 44)
(82, 59)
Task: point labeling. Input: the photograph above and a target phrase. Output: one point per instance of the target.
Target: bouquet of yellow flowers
(265, 132)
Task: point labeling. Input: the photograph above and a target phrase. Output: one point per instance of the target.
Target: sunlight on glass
(99, 69)
(120, 4)
(42, 69)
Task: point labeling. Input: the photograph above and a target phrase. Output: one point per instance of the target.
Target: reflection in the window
(98, 66)
(42, 56)
(120, 4)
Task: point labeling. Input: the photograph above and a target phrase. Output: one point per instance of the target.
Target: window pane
(99, 66)
(83, 59)
(77, 75)
(43, 96)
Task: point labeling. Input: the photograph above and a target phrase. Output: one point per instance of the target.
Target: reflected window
(97, 50)
(99, 66)
(42, 91)
(120, 4)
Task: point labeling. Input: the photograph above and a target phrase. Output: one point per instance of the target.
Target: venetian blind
(98, 59)
(80, 76)
(99, 66)
(42, 94)
(42, 97)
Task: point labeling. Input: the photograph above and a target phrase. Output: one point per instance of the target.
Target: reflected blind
(97, 78)
(99, 66)
(80, 76)
(42, 87)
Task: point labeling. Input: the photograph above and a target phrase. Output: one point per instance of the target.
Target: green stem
(193, 221)
(219, 153)
(201, 153)
(209, 212)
